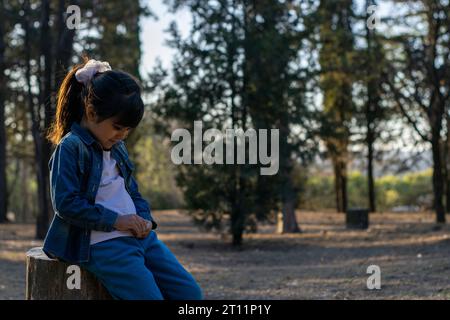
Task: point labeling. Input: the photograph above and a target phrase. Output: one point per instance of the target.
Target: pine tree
(336, 55)
(276, 95)
(208, 85)
(370, 67)
(235, 70)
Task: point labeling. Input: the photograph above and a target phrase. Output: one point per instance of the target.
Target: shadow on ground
(325, 261)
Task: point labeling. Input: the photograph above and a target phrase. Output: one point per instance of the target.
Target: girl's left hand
(143, 232)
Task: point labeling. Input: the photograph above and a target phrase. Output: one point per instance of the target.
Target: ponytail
(69, 107)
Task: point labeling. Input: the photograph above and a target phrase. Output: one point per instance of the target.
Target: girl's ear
(90, 114)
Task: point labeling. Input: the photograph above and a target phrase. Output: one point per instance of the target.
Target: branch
(397, 97)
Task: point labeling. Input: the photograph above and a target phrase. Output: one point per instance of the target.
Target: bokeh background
(359, 89)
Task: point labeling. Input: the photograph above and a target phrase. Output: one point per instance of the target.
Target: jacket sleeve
(67, 199)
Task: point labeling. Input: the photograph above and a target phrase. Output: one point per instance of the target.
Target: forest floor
(325, 261)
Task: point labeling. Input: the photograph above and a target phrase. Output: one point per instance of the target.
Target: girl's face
(107, 132)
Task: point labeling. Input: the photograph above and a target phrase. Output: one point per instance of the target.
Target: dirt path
(326, 261)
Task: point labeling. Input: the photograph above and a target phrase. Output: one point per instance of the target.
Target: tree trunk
(290, 224)
(48, 279)
(4, 193)
(240, 209)
(340, 185)
(344, 186)
(370, 179)
(288, 194)
(43, 219)
(447, 164)
(337, 186)
(437, 106)
(237, 228)
(239, 117)
(24, 209)
(64, 47)
(371, 108)
(370, 118)
(43, 208)
(438, 181)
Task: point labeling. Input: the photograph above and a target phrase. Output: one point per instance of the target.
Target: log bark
(50, 279)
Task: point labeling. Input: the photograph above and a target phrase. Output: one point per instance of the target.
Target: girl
(101, 221)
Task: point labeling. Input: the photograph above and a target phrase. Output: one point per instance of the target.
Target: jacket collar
(86, 136)
(82, 133)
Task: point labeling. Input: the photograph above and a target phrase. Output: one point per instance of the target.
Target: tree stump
(357, 218)
(49, 279)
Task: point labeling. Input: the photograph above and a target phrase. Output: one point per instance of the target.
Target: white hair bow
(85, 74)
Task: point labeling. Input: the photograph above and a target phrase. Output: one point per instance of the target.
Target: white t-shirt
(113, 195)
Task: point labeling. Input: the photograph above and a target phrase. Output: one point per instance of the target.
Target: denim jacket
(75, 170)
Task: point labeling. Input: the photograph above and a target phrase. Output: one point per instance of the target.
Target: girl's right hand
(138, 226)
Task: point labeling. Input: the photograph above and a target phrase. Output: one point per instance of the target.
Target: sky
(153, 36)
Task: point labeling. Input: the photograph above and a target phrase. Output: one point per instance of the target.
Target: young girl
(101, 221)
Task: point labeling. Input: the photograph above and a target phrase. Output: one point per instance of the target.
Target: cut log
(49, 279)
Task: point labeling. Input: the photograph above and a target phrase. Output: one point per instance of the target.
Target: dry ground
(325, 261)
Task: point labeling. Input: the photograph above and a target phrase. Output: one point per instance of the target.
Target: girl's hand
(143, 233)
(148, 228)
(138, 226)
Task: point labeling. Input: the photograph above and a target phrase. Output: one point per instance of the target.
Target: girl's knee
(189, 291)
(196, 292)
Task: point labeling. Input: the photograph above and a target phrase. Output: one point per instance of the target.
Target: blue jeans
(141, 269)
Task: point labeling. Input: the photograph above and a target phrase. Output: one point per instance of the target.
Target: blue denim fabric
(75, 170)
(141, 269)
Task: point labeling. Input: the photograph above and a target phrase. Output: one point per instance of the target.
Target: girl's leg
(174, 281)
(120, 265)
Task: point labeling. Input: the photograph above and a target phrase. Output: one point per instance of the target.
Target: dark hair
(112, 93)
